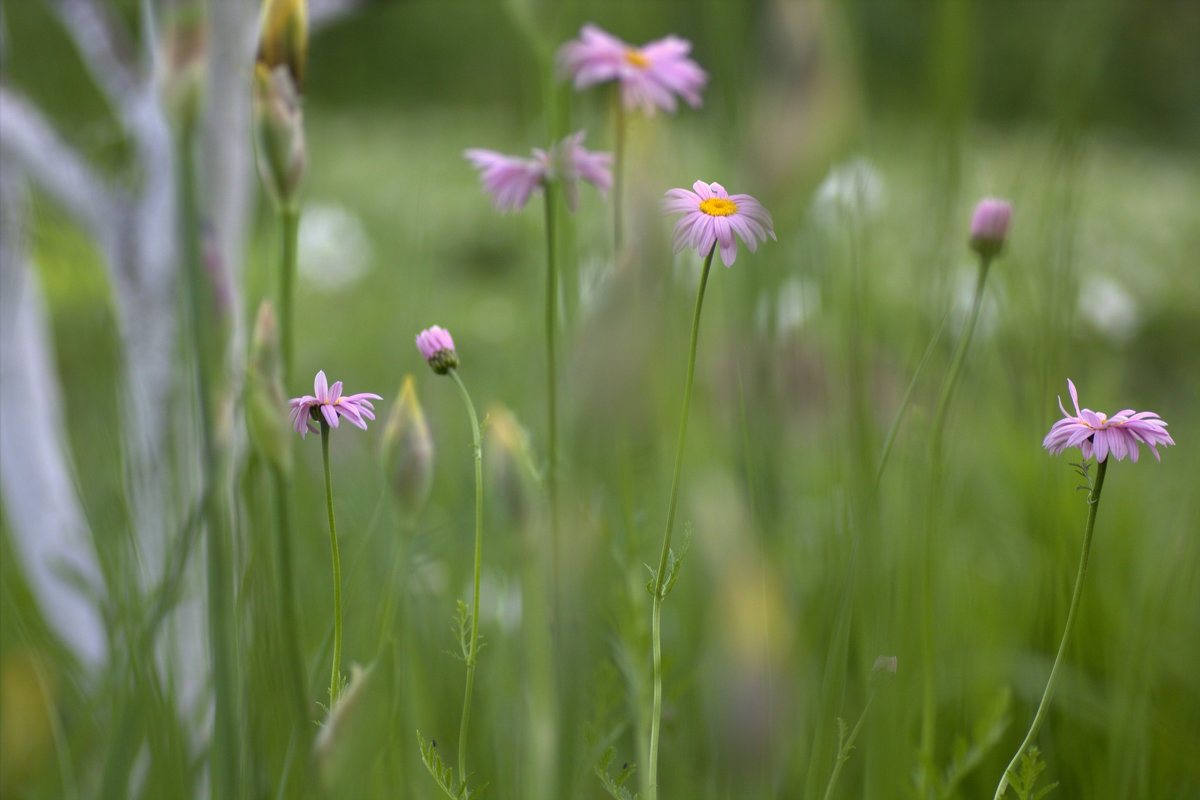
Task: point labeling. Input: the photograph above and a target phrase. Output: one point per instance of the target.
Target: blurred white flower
(787, 308)
(1109, 309)
(500, 601)
(852, 193)
(334, 248)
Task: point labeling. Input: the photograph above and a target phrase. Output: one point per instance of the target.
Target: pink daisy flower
(510, 180)
(650, 76)
(329, 403)
(437, 348)
(1094, 433)
(711, 216)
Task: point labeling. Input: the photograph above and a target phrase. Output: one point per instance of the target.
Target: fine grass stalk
(660, 584)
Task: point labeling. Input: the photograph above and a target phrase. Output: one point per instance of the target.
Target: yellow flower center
(637, 59)
(718, 207)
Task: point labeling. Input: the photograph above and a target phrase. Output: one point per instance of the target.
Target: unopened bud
(408, 451)
(437, 347)
(510, 464)
(266, 403)
(184, 60)
(989, 226)
(347, 746)
(279, 132)
(283, 37)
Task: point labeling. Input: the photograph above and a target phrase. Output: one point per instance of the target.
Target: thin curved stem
(289, 223)
(618, 172)
(222, 638)
(660, 575)
(891, 437)
(474, 649)
(939, 417)
(1076, 594)
(552, 379)
(287, 607)
(335, 682)
(928, 648)
(843, 754)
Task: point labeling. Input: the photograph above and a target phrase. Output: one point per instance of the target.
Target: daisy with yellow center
(712, 217)
(651, 77)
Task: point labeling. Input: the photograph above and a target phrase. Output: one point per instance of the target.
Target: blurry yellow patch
(26, 729)
(637, 59)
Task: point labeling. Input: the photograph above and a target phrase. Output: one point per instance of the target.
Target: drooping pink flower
(989, 226)
(711, 216)
(650, 76)
(329, 402)
(510, 180)
(437, 348)
(570, 163)
(1094, 433)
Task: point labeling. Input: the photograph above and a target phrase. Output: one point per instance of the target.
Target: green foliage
(615, 786)
(806, 349)
(674, 562)
(442, 774)
(1024, 783)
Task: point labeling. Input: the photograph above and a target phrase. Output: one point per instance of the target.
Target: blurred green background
(869, 130)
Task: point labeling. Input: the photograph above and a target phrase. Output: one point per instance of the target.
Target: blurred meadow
(869, 130)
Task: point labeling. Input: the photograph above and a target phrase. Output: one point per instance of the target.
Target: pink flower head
(989, 226)
(327, 403)
(436, 347)
(570, 162)
(510, 180)
(650, 76)
(712, 216)
(1093, 432)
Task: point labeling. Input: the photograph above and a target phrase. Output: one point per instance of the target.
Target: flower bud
(989, 226)
(408, 452)
(510, 464)
(283, 37)
(347, 745)
(282, 154)
(184, 59)
(266, 402)
(437, 348)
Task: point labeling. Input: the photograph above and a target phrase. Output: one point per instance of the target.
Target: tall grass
(803, 569)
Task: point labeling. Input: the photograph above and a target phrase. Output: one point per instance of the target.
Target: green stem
(474, 650)
(660, 575)
(891, 437)
(289, 219)
(844, 751)
(224, 757)
(618, 171)
(1093, 504)
(939, 417)
(928, 647)
(552, 379)
(287, 607)
(335, 679)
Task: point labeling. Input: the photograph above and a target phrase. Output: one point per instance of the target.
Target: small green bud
(348, 744)
(510, 464)
(184, 57)
(282, 154)
(408, 451)
(266, 403)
